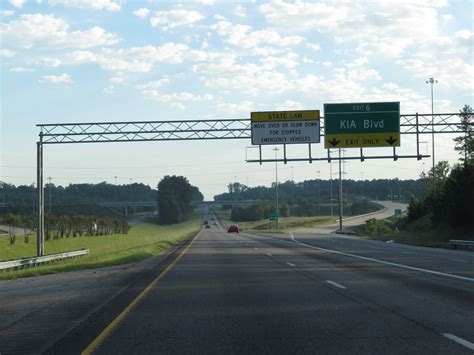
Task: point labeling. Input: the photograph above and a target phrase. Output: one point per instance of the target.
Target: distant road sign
(285, 127)
(272, 216)
(358, 125)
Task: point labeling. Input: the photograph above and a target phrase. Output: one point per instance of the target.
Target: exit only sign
(360, 125)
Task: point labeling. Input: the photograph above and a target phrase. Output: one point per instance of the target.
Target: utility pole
(362, 178)
(292, 175)
(432, 81)
(276, 186)
(340, 191)
(49, 183)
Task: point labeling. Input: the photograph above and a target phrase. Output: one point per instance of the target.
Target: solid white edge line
(297, 242)
(291, 264)
(390, 263)
(336, 284)
(459, 340)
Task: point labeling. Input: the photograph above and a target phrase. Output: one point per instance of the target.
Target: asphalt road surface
(302, 294)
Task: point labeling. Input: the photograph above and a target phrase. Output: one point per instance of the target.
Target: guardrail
(468, 244)
(36, 260)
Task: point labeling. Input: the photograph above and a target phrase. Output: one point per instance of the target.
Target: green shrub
(376, 228)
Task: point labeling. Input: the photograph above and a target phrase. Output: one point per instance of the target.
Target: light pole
(432, 81)
(362, 178)
(292, 175)
(276, 185)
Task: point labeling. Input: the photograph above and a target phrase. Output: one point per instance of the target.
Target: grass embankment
(419, 232)
(264, 225)
(142, 241)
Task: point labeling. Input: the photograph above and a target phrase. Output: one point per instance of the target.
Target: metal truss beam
(103, 132)
(141, 131)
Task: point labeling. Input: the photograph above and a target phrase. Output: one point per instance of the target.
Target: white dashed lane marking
(336, 284)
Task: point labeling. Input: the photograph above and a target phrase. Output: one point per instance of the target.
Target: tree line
(320, 190)
(25, 195)
(305, 208)
(64, 226)
(449, 190)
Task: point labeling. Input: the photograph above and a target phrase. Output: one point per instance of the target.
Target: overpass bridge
(125, 206)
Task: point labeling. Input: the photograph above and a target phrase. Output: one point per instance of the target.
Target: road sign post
(360, 125)
(285, 127)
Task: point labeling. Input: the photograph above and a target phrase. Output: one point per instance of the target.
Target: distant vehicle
(205, 222)
(233, 228)
(207, 226)
(212, 218)
(215, 223)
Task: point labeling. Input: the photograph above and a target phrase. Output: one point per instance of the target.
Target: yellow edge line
(121, 317)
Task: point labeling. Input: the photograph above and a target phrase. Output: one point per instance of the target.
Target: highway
(301, 294)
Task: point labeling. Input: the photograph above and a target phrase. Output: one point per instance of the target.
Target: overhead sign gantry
(140, 131)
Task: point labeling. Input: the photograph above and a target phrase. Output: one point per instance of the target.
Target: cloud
(241, 107)
(290, 105)
(387, 27)
(50, 31)
(17, 3)
(107, 5)
(56, 79)
(51, 62)
(239, 10)
(313, 46)
(288, 61)
(243, 36)
(6, 13)
(448, 59)
(21, 70)
(142, 12)
(6, 53)
(139, 59)
(118, 80)
(153, 85)
(182, 96)
(175, 18)
(177, 100)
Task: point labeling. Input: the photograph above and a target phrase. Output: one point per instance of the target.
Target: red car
(233, 228)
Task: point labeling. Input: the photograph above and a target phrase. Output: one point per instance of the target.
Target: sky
(122, 60)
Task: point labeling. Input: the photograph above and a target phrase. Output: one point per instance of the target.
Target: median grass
(142, 241)
(285, 223)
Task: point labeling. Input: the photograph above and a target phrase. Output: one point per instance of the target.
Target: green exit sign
(365, 124)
